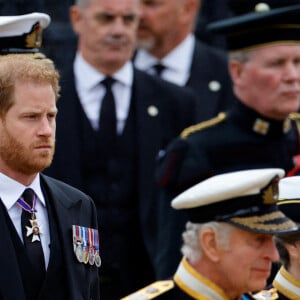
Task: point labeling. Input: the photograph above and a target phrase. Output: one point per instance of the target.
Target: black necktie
(34, 248)
(108, 119)
(158, 68)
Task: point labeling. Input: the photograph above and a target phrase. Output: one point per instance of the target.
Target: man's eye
(129, 19)
(105, 18)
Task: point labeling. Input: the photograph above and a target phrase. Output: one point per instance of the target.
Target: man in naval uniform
(258, 131)
(286, 284)
(228, 246)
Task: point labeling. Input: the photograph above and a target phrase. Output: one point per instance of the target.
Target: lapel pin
(214, 86)
(152, 111)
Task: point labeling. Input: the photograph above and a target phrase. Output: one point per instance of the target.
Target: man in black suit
(165, 37)
(42, 256)
(116, 170)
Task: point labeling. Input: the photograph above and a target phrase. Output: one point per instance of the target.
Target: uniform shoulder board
(270, 294)
(151, 291)
(294, 116)
(211, 122)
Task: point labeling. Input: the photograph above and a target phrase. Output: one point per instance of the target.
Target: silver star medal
(35, 230)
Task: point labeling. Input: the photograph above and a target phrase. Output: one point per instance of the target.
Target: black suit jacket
(72, 208)
(176, 110)
(209, 65)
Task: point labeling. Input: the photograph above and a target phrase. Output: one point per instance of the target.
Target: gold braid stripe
(211, 122)
(284, 201)
(256, 222)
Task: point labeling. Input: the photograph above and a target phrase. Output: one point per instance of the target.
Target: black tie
(158, 68)
(108, 119)
(33, 249)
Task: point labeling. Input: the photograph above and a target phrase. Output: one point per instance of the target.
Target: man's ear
(293, 250)
(235, 70)
(75, 17)
(209, 244)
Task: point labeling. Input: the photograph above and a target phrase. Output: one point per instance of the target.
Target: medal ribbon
(24, 205)
(96, 240)
(90, 243)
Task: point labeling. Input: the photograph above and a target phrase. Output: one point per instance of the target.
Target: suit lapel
(11, 281)
(67, 211)
(148, 122)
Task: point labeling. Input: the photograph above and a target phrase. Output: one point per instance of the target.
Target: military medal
(36, 229)
(97, 255)
(79, 254)
(97, 260)
(91, 246)
(86, 245)
(77, 242)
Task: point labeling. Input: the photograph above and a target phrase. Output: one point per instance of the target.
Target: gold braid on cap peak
(257, 222)
(211, 122)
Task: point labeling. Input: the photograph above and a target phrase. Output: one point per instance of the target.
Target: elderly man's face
(246, 264)
(107, 32)
(270, 81)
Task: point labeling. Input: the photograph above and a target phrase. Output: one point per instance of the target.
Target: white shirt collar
(11, 190)
(83, 71)
(178, 61)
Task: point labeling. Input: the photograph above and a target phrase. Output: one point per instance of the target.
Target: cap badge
(34, 38)
(271, 193)
(261, 7)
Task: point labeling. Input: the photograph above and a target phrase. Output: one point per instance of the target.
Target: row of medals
(85, 255)
(86, 245)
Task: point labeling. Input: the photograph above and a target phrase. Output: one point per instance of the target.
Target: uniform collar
(286, 284)
(196, 285)
(252, 120)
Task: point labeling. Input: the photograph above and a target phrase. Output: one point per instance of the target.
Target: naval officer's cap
(289, 197)
(22, 33)
(246, 199)
(259, 23)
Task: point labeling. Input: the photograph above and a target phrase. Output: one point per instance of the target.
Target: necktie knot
(108, 82)
(159, 68)
(28, 196)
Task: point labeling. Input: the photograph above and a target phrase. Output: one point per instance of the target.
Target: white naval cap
(289, 195)
(246, 199)
(22, 33)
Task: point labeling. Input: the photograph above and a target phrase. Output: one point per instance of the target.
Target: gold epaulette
(270, 294)
(211, 122)
(151, 291)
(294, 116)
